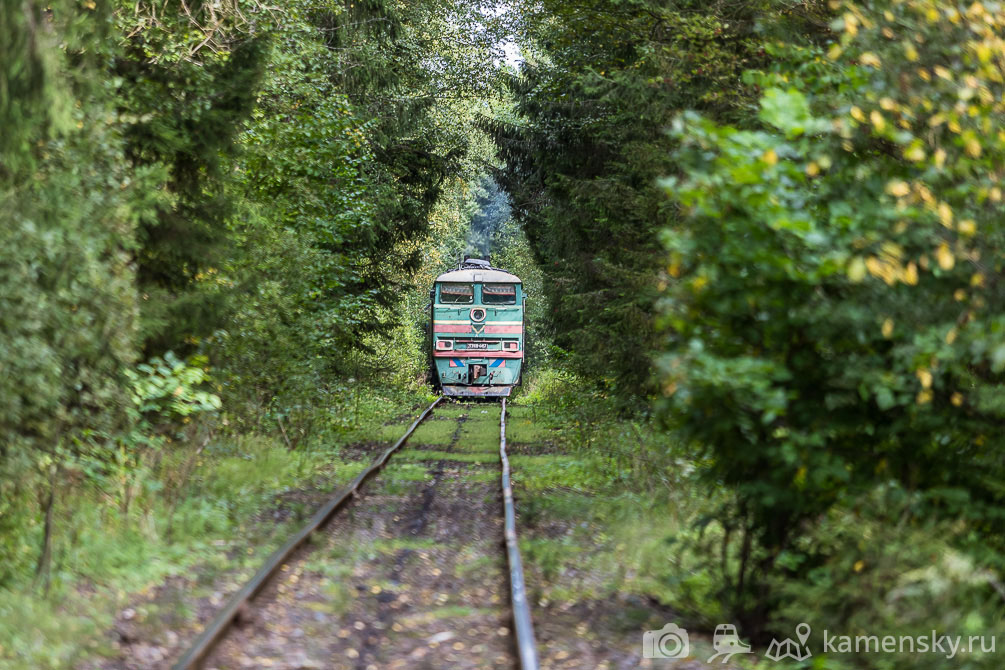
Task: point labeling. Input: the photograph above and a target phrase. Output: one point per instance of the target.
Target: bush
(877, 568)
(832, 314)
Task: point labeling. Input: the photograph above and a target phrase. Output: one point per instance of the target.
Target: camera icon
(668, 642)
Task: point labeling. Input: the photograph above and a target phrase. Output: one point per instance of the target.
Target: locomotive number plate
(477, 345)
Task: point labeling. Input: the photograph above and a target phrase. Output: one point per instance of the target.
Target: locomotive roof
(478, 270)
(479, 275)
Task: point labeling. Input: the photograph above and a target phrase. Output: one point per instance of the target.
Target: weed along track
(419, 571)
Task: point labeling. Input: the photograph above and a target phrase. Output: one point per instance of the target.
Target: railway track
(243, 601)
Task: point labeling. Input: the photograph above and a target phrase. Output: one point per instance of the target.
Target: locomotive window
(457, 293)
(499, 294)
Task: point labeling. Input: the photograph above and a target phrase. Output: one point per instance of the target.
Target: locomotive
(476, 333)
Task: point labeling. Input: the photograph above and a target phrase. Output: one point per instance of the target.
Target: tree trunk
(43, 567)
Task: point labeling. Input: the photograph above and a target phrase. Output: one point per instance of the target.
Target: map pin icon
(803, 632)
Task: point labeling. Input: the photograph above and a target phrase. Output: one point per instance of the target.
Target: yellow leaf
(870, 59)
(945, 214)
(972, 147)
(885, 271)
(983, 53)
(995, 194)
(967, 227)
(959, 295)
(859, 566)
(888, 103)
(924, 397)
(956, 399)
(951, 336)
(892, 250)
(878, 122)
(770, 157)
(945, 257)
(940, 158)
(856, 113)
(925, 377)
(812, 169)
(856, 269)
(977, 279)
(910, 276)
(910, 52)
(887, 328)
(898, 188)
(851, 24)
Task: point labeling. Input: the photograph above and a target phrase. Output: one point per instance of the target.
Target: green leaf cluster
(832, 310)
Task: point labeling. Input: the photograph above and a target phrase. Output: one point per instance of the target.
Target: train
(477, 337)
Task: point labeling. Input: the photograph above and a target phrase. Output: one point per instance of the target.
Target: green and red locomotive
(476, 333)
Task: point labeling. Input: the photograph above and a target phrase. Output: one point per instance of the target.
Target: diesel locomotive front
(476, 336)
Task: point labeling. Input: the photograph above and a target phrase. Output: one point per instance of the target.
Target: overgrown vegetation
(761, 242)
(214, 219)
(825, 287)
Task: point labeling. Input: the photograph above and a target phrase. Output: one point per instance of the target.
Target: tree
(69, 204)
(586, 144)
(832, 305)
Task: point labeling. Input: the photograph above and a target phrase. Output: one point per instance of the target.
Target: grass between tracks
(214, 505)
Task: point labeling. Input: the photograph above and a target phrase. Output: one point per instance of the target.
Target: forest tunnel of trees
(768, 233)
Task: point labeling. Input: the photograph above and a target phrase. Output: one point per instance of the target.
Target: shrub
(832, 311)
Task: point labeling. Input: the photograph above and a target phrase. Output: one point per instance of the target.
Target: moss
(420, 455)
(434, 432)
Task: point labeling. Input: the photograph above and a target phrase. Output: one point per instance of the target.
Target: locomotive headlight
(445, 345)
(512, 346)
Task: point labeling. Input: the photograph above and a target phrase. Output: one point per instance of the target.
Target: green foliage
(511, 250)
(585, 146)
(68, 210)
(184, 92)
(832, 320)
(198, 503)
(168, 388)
(248, 186)
(888, 571)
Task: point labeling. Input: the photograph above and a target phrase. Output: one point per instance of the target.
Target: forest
(761, 241)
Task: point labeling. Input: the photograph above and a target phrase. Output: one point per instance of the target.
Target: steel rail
(218, 627)
(522, 624)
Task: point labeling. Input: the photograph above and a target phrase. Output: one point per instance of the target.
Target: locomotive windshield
(457, 293)
(499, 294)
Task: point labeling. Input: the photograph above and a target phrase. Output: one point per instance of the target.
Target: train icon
(726, 642)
